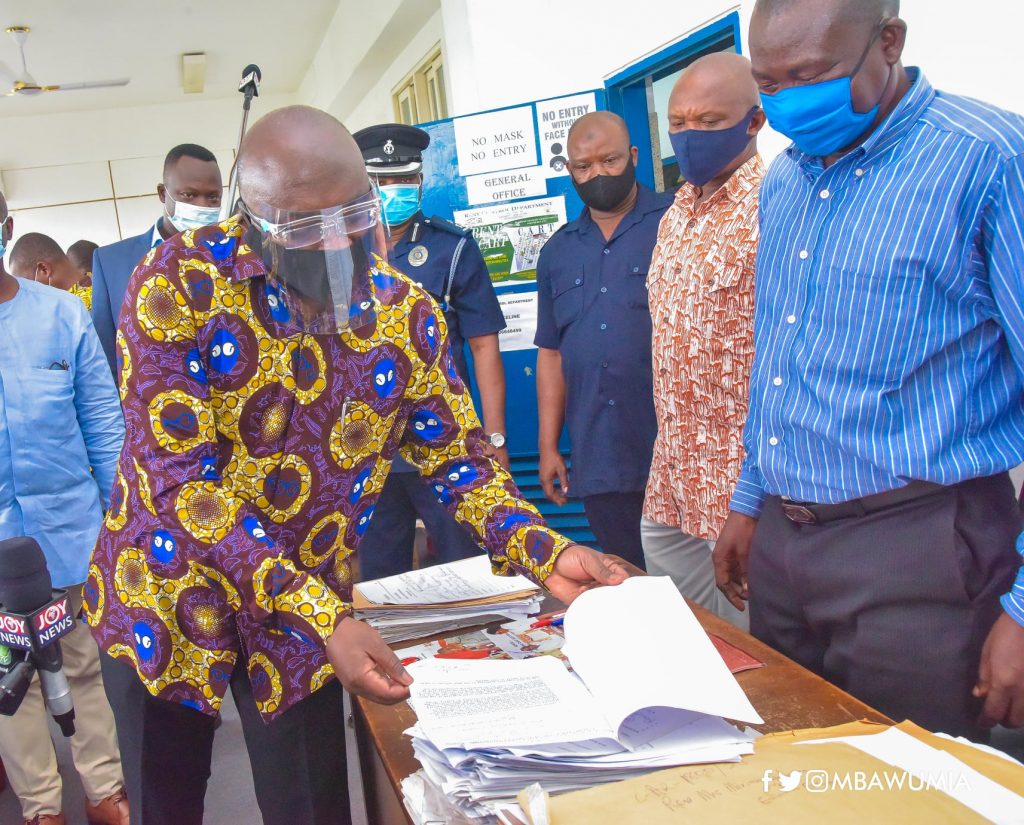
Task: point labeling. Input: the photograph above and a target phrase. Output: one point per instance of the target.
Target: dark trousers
(615, 521)
(893, 606)
(298, 760)
(387, 546)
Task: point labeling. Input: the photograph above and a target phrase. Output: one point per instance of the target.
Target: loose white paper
(520, 311)
(638, 645)
(466, 579)
(493, 141)
(508, 185)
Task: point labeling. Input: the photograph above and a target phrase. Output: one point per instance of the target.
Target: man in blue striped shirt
(886, 394)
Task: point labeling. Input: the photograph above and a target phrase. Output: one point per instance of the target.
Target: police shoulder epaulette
(447, 226)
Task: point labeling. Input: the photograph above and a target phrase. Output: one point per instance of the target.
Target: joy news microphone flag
(33, 617)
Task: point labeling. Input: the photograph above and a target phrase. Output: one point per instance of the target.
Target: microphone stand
(250, 87)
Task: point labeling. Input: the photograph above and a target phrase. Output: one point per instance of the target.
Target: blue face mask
(703, 153)
(819, 117)
(400, 201)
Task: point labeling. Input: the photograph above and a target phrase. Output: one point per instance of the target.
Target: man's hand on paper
(1001, 675)
(578, 569)
(732, 550)
(365, 665)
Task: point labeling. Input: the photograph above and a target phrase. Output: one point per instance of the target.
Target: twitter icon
(790, 781)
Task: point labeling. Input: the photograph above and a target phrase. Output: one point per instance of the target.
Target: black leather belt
(802, 512)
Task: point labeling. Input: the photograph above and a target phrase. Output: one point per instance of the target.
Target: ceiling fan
(25, 84)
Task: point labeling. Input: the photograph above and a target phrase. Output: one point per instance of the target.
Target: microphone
(250, 85)
(33, 617)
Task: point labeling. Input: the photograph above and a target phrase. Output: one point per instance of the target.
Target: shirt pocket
(567, 296)
(725, 276)
(45, 400)
(636, 285)
(865, 323)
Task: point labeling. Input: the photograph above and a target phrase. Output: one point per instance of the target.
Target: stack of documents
(648, 690)
(449, 596)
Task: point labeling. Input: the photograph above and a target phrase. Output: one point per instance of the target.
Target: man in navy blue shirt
(445, 260)
(594, 337)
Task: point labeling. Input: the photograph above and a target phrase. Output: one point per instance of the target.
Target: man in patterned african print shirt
(254, 454)
(38, 257)
(80, 255)
(701, 287)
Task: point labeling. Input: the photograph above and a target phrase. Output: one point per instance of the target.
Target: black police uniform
(444, 260)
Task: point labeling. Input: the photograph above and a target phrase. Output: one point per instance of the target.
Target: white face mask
(189, 216)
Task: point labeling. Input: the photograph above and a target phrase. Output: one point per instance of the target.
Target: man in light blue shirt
(60, 437)
(887, 393)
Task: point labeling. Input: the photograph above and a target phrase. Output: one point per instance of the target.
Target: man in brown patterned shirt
(701, 287)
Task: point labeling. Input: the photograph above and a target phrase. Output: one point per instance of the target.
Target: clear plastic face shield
(320, 262)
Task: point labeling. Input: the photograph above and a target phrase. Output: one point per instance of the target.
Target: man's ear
(757, 123)
(894, 38)
(161, 192)
(634, 153)
(43, 272)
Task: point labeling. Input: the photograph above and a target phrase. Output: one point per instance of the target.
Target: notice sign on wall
(496, 140)
(508, 185)
(511, 235)
(520, 309)
(554, 117)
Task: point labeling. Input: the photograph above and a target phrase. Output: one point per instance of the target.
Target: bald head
(299, 159)
(598, 144)
(803, 42)
(714, 92)
(38, 257)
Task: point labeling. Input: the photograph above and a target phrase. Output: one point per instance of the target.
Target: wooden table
(786, 695)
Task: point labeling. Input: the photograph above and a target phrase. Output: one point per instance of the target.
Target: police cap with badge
(392, 148)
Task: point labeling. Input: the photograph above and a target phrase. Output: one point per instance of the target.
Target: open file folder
(649, 691)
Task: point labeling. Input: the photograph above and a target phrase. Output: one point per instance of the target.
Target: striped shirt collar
(891, 130)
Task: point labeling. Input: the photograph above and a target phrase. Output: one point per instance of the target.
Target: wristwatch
(496, 440)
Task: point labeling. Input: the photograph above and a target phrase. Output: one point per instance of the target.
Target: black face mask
(605, 192)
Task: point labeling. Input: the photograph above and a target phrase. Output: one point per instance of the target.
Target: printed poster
(511, 235)
(554, 117)
(520, 310)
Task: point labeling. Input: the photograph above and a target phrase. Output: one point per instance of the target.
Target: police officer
(445, 260)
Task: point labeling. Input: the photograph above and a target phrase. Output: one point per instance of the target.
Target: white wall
(94, 174)
(500, 54)
(358, 64)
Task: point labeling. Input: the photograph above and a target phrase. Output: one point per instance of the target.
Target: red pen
(553, 621)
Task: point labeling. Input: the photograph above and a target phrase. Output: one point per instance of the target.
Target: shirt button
(804, 255)
(791, 319)
(604, 289)
(604, 364)
(636, 269)
(611, 402)
(773, 441)
(692, 223)
(606, 250)
(824, 194)
(859, 173)
(777, 381)
(604, 326)
(579, 281)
